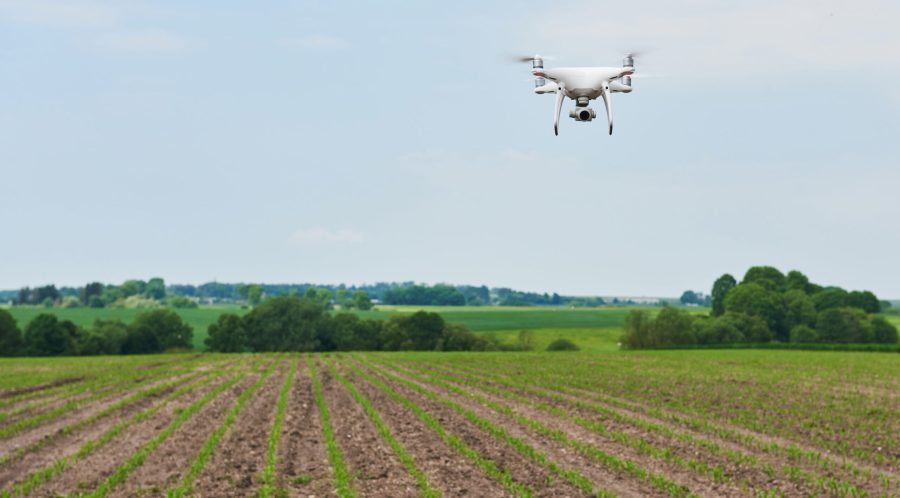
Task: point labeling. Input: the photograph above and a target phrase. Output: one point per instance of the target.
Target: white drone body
(582, 84)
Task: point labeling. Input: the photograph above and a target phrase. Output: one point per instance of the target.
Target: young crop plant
(335, 457)
(134, 398)
(643, 446)
(137, 459)
(268, 489)
(37, 478)
(487, 465)
(572, 476)
(123, 384)
(386, 434)
(184, 487)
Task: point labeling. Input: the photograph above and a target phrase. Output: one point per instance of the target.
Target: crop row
(35, 479)
(550, 387)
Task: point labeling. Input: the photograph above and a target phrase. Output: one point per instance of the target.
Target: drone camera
(583, 114)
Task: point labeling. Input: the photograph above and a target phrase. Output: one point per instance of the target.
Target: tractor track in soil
(522, 470)
(240, 456)
(375, 469)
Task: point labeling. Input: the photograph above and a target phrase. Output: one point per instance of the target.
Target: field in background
(616, 423)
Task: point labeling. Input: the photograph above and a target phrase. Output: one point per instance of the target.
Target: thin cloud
(316, 42)
(320, 235)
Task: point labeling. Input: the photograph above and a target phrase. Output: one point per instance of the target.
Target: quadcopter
(581, 84)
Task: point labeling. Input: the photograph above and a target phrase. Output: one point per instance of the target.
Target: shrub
(562, 345)
(158, 330)
(45, 335)
(181, 302)
(227, 335)
(883, 331)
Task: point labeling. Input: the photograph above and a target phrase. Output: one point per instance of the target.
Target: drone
(581, 84)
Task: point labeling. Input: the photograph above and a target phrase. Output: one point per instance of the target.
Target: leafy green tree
(717, 330)
(45, 335)
(141, 341)
(865, 301)
(831, 297)
(799, 309)
(360, 300)
(10, 335)
(752, 328)
(673, 327)
(689, 297)
(96, 302)
(166, 326)
(132, 288)
(883, 332)
(755, 300)
(459, 338)
(767, 276)
(287, 323)
(181, 302)
(252, 293)
(113, 332)
(91, 290)
(227, 335)
(638, 332)
(319, 295)
(798, 281)
(844, 325)
(804, 334)
(424, 330)
(720, 289)
(155, 289)
(393, 334)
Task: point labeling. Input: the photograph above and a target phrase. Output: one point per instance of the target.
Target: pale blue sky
(385, 141)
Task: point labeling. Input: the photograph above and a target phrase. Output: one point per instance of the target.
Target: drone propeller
(529, 58)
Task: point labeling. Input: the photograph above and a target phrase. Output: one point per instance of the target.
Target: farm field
(652, 423)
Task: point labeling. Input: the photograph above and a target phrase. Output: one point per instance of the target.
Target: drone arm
(560, 95)
(607, 99)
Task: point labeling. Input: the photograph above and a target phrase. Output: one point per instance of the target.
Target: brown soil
(240, 458)
(445, 469)
(302, 468)
(374, 467)
(522, 470)
(171, 459)
(92, 470)
(40, 387)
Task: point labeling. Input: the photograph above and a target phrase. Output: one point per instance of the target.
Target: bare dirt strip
(522, 470)
(303, 469)
(165, 466)
(375, 469)
(240, 457)
(40, 387)
(446, 470)
(89, 472)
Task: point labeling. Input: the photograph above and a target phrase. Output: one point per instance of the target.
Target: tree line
(153, 331)
(290, 323)
(767, 306)
(137, 293)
